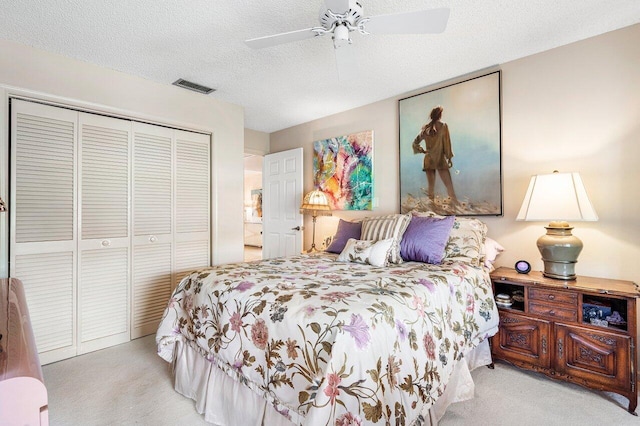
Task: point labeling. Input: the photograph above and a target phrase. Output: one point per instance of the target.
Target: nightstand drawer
(565, 297)
(553, 311)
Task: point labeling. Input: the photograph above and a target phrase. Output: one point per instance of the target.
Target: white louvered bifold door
(106, 215)
(103, 264)
(192, 189)
(152, 225)
(43, 228)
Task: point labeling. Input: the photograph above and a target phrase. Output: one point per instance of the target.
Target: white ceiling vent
(193, 86)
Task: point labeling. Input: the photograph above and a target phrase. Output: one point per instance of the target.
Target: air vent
(193, 86)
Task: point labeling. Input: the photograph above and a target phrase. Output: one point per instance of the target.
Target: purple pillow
(345, 231)
(425, 239)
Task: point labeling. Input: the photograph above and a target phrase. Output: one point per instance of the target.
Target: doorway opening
(252, 207)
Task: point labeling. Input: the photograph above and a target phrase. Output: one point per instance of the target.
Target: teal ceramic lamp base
(559, 249)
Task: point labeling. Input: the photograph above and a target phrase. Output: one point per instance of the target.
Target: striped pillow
(382, 227)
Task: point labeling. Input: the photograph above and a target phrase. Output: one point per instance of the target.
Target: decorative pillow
(345, 231)
(373, 253)
(425, 239)
(466, 240)
(491, 251)
(382, 227)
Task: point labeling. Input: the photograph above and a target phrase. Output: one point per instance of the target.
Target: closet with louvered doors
(171, 226)
(95, 232)
(70, 226)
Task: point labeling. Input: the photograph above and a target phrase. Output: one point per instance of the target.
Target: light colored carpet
(130, 385)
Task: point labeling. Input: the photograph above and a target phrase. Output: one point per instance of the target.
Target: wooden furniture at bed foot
(582, 331)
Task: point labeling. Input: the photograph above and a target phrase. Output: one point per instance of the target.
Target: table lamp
(316, 204)
(558, 198)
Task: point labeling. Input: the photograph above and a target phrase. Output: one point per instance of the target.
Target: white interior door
(281, 199)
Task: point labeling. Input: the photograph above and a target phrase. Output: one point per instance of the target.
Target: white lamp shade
(557, 196)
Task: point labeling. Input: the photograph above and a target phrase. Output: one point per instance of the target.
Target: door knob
(297, 228)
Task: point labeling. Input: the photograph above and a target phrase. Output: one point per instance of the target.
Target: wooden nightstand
(558, 328)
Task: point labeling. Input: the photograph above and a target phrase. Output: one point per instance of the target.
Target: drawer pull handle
(551, 297)
(153, 239)
(106, 243)
(552, 312)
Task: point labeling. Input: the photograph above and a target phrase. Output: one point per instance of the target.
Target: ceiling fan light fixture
(341, 17)
(341, 36)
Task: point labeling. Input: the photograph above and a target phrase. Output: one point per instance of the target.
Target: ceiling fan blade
(282, 38)
(430, 21)
(347, 63)
(337, 6)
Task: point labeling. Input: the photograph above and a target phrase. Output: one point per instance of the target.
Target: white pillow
(361, 251)
(491, 249)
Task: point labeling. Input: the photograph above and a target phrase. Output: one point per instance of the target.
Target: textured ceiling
(282, 86)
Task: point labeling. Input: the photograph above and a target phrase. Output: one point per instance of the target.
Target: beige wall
(256, 142)
(574, 108)
(31, 72)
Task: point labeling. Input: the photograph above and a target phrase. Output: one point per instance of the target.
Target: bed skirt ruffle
(226, 402)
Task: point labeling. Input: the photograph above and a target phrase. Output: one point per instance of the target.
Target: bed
(315, 341)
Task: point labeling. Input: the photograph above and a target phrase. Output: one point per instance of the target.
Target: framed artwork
(450, 149)
(256, 203)
(343, 170)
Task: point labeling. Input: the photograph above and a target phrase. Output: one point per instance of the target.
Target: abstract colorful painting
(450, 149)
(343, 170)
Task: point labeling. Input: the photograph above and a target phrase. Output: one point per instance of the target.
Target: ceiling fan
(342, 17)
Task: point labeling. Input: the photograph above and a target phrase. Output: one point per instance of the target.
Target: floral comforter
(334, 343)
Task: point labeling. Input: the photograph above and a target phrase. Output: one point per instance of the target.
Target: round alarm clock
(522, 267)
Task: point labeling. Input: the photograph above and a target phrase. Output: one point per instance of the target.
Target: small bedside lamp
(558, 197)
(315, 203)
